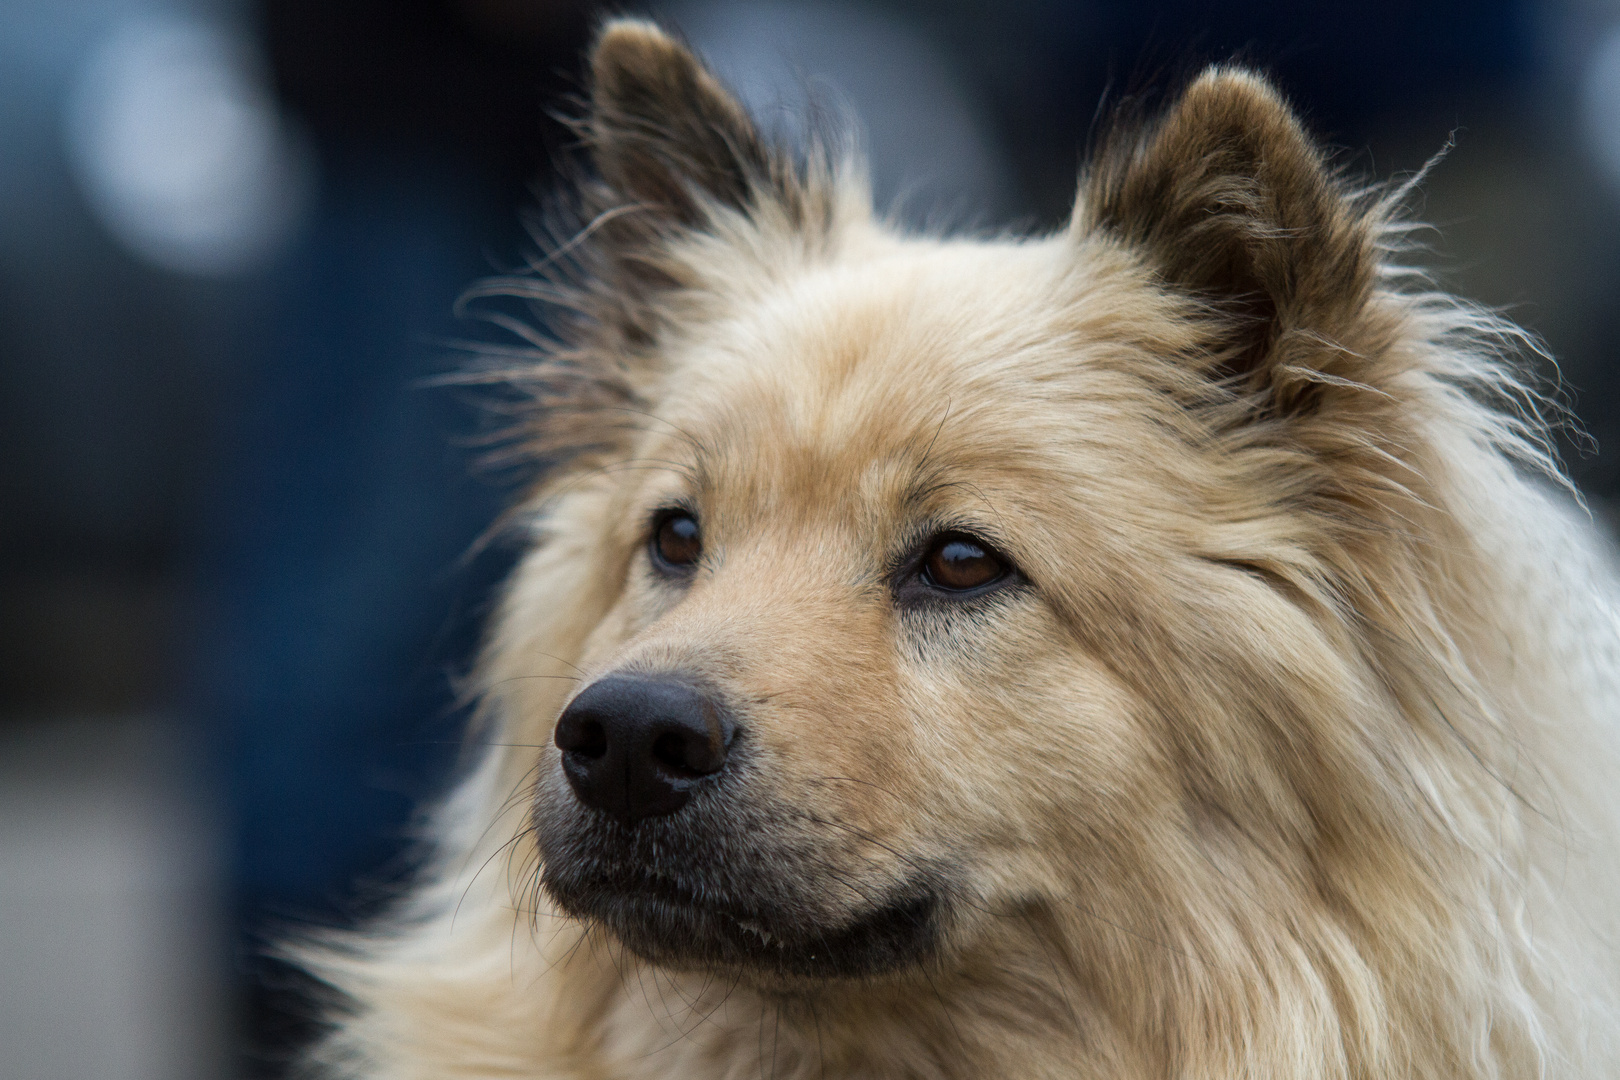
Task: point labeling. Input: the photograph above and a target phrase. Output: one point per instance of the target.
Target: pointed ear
(664, 133)
(1230, 200)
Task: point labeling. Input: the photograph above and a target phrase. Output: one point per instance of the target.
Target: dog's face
(946, 584)
(848, 542)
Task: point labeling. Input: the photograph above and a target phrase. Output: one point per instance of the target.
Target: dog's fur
(1284, 751)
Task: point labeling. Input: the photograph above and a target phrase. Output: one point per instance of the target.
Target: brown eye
(960, 563)
(677, 542)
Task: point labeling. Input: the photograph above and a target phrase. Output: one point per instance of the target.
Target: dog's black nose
(635, 747)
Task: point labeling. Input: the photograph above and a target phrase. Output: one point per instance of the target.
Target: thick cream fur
(1297, 760)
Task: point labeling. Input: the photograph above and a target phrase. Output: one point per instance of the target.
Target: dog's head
(919, 590)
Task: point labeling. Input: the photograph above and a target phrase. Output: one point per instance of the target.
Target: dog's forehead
(866, 357)
(880, 377)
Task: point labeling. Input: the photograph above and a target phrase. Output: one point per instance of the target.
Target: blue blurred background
(238, 572)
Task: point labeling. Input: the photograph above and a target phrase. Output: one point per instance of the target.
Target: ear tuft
(1231, 200)
(664, 131)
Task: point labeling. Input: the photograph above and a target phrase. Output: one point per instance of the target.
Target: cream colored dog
(1160, 649)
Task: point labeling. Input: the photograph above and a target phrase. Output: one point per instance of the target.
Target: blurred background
(238, 577)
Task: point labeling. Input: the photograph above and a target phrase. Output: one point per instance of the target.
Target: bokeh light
(180, 148)
(1600, 101)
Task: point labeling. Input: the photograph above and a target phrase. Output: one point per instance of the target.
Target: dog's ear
(1232, 201)
(666, 136)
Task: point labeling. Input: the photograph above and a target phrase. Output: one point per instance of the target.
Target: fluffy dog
(1159, 649)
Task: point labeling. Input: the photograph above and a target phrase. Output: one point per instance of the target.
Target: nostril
(592, 742)
(683, 754)
(584, 737)
(669, 750)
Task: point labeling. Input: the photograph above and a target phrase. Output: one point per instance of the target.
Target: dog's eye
(677, 542)
(957, 563)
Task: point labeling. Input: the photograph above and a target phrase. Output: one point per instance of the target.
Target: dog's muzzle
(667, 834)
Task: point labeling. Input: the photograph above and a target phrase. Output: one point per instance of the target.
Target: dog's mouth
(667, 923)
(743, 883)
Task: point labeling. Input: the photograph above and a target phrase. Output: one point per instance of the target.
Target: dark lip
(664, 923)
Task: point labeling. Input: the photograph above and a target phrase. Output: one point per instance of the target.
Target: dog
(1165, 648)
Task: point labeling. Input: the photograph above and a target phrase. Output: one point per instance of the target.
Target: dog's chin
(665, 926)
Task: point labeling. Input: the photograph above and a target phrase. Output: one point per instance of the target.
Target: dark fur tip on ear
(1233, 201)
(663, 130)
